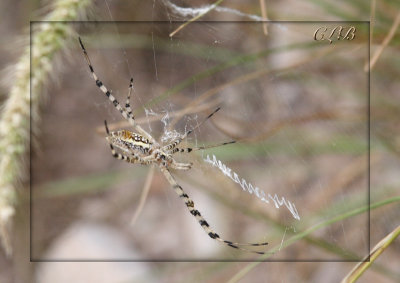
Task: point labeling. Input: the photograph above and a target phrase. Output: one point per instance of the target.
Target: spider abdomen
(129, 141)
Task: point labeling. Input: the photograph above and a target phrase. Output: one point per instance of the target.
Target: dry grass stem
(361, 267)
(250, 76)
(348, 174)
(263, 7)
(143, 196)
(278, 125)
(195, 18)
(385, 43)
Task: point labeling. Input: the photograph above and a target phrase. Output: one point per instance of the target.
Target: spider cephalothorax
(142, 148)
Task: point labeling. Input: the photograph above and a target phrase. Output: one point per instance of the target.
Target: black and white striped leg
(128, 99)
(203, 223)
(185, 135)
(114, 101)
(190, 149)
(104, 89)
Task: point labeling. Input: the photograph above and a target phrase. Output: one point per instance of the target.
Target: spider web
(297, 114)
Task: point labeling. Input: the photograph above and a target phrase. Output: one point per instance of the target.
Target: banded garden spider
(143, 149)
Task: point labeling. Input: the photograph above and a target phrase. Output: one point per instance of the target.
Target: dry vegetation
(298, 108)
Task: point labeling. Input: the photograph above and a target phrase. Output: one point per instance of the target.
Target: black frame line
(367, 259)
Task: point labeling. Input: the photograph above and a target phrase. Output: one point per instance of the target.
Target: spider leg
(126, 113)
(128, 99)
(189, 149)
(180, 139)
(104, 89)
(203, 223)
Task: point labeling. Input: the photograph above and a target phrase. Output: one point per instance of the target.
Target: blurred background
(299, 109)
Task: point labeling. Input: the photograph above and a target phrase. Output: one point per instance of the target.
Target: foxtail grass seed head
(47, 39)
